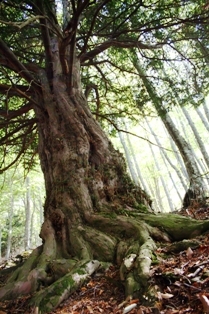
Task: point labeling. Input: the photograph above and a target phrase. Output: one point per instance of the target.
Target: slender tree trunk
(157, 189)
(196, 185)
(155, 197)
(206, 110)
(136, 163)
(128, 158)
(40, 206)
(179, 161)
(10, 220)
(172, 180)
(202, 117)
(197, 136)
(165, 156)
(27, 214)
(161, 177)
(32, 224)
(0, 243)
(202, 167)
(185, 149)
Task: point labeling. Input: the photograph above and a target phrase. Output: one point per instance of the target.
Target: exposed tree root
(49, 298)
(128, 241)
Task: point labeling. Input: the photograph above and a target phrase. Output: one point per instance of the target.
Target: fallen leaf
(164, 295)
(189, 252)
(129, 308)
(205, 302)
(90, 309)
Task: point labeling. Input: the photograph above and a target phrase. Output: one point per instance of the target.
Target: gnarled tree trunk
(84, 178)
(93, 211)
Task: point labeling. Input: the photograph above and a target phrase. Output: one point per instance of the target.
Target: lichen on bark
(93, 212)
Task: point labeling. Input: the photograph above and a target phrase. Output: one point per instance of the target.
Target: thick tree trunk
(86, 184)
(92, 208)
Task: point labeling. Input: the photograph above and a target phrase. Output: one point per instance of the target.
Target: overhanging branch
(10, 114)
(133, 134)
(16, 65)
(17, 90)
(21, 25)
(89, 33)
(13, 135)
(118, 44)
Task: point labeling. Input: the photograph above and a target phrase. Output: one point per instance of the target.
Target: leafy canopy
(168, 38)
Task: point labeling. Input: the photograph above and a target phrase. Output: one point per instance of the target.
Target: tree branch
(25, 124)
(118, 44)
(10, 114)
(89, 33)
(127, 132)
(16, 65)
(21, 25)
(23, 148)
(17, 90)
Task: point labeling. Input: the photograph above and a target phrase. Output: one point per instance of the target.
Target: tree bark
(128, 158)
(206, 110)
(196, 185)
(136, 163)
(202, 167)
(27, 215)
(165, 158)
(9, 235)
(202, 118)
(161, 177)
(93, 213)
(86, 188)
(197, 136)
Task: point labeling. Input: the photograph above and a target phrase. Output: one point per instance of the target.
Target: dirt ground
(182, 279)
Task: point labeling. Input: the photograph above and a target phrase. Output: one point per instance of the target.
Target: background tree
(14, 219)
(44, 110)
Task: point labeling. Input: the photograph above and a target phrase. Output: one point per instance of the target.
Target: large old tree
(93, 213)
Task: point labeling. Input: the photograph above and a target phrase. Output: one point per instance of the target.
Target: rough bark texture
(93, 211)
(86, 188)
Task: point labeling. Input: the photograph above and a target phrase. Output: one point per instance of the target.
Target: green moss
(141, 207)
(81, 272)
(155, 261)
(111, 215)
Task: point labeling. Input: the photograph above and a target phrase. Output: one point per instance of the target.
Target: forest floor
(182, 279)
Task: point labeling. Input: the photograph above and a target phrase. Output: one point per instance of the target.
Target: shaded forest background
(150, 153)
(131, 93)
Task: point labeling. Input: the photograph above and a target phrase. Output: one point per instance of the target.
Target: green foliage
(12, 207)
